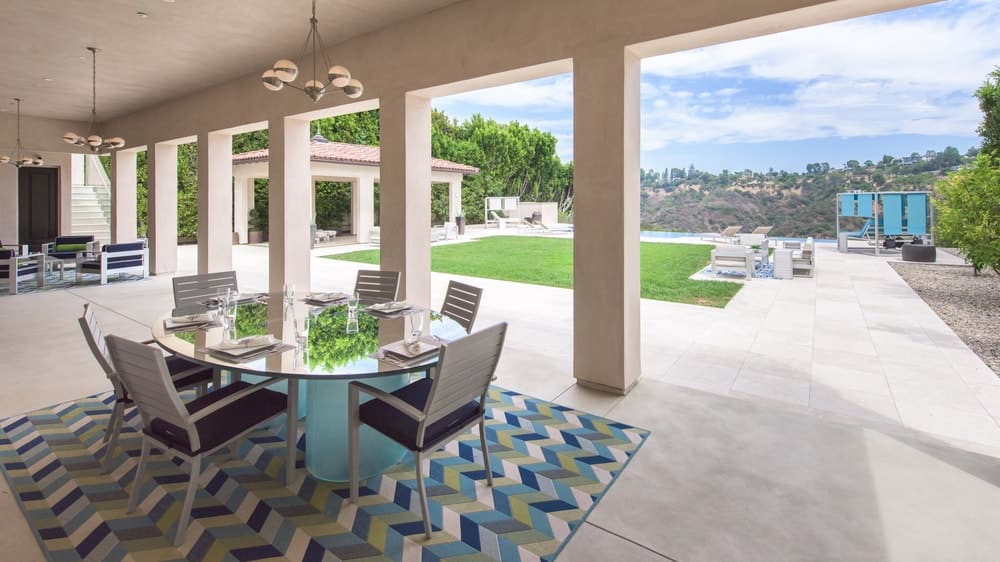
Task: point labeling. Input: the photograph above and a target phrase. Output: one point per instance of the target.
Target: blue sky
(893, 83)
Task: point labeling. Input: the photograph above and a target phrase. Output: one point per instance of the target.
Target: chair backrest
(464, 372)
(461, 304)
(731, 252)
(144, 373)
(191, 291)
(98, 346)
(731, 230)
(373, 286)
(762, 230)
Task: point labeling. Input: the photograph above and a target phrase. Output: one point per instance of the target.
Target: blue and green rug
(551, 465)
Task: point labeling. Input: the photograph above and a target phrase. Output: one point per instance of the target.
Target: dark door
(38, 205)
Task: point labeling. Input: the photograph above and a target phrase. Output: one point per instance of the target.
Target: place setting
(187, 322)
(248, 348)
(413, 349)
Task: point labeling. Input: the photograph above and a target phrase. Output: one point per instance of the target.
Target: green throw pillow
(71, 247)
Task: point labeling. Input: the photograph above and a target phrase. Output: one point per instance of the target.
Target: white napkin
(389, 306)
(188, 320)
(328, 297)
(246, 345)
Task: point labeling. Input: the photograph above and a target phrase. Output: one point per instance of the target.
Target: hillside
(796, 204)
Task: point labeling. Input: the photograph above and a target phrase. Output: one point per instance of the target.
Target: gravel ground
(969, 304)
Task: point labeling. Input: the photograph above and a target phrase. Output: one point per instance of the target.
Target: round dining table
(327, 356)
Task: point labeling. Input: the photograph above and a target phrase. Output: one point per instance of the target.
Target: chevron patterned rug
(551, 466)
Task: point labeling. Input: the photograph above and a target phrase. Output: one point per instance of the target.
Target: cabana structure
(356, 164)
(888, 213)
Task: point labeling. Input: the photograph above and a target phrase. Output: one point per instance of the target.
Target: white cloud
(899, 74)
(547, 92)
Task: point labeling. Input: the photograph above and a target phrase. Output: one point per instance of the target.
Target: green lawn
(549, 261)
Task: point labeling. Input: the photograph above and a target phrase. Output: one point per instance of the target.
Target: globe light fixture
(94, 142)
(338, 78)
(17, 160)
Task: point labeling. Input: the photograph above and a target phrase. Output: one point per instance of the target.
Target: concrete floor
(812, 419)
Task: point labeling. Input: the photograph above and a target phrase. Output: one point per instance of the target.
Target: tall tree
(989, 102)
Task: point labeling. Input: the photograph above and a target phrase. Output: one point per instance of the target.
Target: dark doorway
(38, 205)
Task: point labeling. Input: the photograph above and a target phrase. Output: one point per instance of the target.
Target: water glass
(352, 302)
(352, 321)
(416, 322)
(302, 332)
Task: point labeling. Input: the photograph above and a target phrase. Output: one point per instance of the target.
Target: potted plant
(460, 223)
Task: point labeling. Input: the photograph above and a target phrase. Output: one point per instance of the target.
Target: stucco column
(8, 205)
(162, 209)
(454, 198)
(123, 208)
(215, 202)
(406, 193)
(288, 216)
(606, 328)
(242, 196)
(363, 207)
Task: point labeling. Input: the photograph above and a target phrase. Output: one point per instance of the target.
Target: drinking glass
(412, 337)
(352, 302)
(302, 332)
(352, 321)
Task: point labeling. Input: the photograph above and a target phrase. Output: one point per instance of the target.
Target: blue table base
(326, 431)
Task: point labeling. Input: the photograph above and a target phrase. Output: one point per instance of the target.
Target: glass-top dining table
(327, 357)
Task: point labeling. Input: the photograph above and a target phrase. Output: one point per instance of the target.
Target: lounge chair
(765, 230)
(733, 257)
(727, 236)
(501, 221)
(866, 233)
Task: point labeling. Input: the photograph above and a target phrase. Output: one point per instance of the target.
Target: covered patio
(752, 455)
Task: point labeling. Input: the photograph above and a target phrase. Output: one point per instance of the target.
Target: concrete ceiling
(183, 46)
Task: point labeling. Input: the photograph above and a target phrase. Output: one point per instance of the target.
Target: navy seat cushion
(6, 254)
(219, 427)
(403, 430)
(117, 262)
(78, 239)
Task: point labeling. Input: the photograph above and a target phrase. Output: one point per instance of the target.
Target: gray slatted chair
(191, 431)
(191, 292)
(461, 304)
(184, 374)
(426, 414)
(373, 286)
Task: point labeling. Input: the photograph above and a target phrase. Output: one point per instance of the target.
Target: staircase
(91, 205)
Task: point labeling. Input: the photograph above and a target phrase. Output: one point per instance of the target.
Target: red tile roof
(358, 154)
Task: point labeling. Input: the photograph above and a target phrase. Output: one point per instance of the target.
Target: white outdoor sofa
(733, 257)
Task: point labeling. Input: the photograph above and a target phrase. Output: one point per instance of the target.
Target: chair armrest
(47, 247)
(233, 398)
(411, 412)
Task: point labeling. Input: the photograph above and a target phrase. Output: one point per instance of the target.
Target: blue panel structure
(892, 214)
(916, 213)
(847, 204)
(865, 204)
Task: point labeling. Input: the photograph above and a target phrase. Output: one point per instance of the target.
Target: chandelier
(284, 72)
(93, 141)
(19, 160)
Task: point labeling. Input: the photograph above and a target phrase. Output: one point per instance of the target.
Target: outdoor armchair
(461, 304)
(115, 258)
(191, 291)
(183, 374)
(18, 249)
(190, 431)
(70, 247)
(426, 414)
(15, 268)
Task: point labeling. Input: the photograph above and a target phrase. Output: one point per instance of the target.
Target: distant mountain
(796, 204)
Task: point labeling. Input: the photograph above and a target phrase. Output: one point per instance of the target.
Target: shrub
(968, 212)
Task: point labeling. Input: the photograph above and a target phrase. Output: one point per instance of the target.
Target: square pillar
(363, 207)
(215, 202)
(405, 210)
(8, 205)
(290, 185)
(123, 196)
(242, 203)
(162, 207)
(606, 328)
(454, 199)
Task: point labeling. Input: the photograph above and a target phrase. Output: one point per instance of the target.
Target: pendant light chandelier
(17, 159)
(338, 78)
(93, 141)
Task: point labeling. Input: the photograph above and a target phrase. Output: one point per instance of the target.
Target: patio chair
(190, 431)
(737, 257)
(70, 247)
(425, 415)
(804, 260)
(501, 221)
(115, 258)
(727, 236)
(375, 286)
(461, 304)
(191, 291)
(16, 268)
(183, 373)
(18, 249)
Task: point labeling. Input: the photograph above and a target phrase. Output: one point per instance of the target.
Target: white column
(8, 205)
(406, 193)
(123, 196)
(454, 198)
(66, 165)
(288, 217)
(312, 201)
(606, 327)
(215, 202)
(363, 207)
(242, 199)
(162, 207)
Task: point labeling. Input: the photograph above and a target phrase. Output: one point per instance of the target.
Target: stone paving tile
(773, 387)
